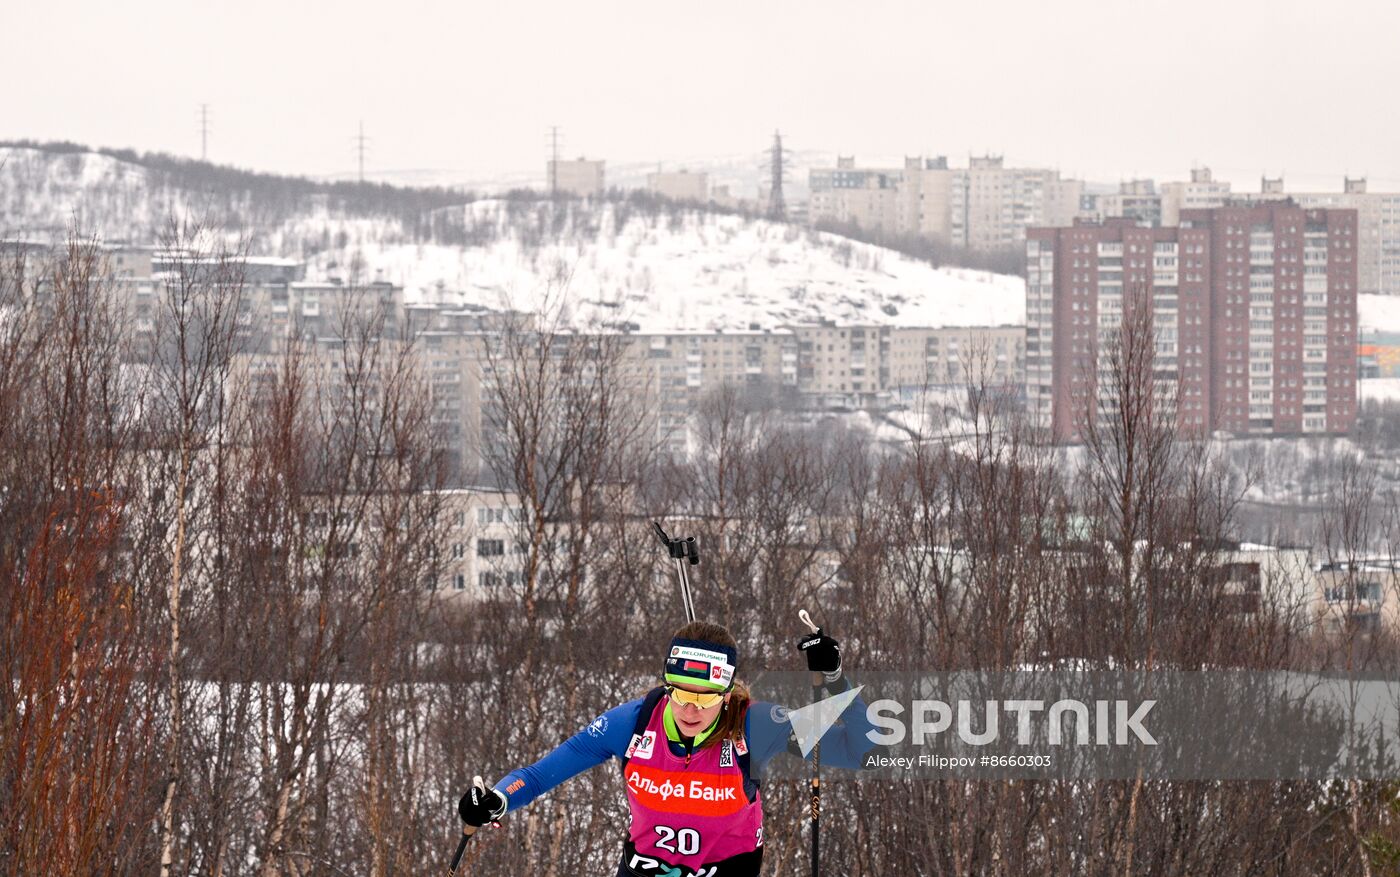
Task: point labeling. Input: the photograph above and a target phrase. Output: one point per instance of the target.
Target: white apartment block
(674, 370)
(991, 206)
(819, 366)
(992, 356)
(579, 177)
(1359, 595)
(1137, 200)
(875, 366)
(680, 185)
(1143, 202)
(985, 206)
(1202, 192)
(481, 553)
(866, 197)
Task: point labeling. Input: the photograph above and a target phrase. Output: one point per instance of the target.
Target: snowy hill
(120, 196)
(639, 262)
(671, 270)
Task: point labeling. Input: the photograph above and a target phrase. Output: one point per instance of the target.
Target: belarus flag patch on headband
(707, 665)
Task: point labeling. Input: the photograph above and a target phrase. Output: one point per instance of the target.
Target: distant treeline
(272, 190)
(254, 204)
(1006, 260)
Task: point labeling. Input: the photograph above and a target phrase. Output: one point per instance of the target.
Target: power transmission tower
(203, 132)
(553, 161)
(360, 142)
(777, 209)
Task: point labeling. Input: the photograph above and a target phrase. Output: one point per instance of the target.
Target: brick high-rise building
(1254, 313)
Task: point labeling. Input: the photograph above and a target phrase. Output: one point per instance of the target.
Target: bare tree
(75, 725)
(195, 342)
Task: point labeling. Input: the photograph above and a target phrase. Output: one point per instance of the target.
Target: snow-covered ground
(1378, 313)
(1379, 389)
(699, 271)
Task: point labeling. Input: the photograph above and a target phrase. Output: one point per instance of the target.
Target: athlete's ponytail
(731, 718)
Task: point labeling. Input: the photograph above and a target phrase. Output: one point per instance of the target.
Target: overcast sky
(1104, 89)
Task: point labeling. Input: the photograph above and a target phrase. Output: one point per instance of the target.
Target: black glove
(481, 805)
(823, 654)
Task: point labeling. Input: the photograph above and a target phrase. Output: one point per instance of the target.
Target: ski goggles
(695, 698)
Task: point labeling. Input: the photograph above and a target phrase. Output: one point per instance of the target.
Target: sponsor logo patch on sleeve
(641, 745)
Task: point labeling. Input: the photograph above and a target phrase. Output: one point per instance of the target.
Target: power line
(777, 209)
(553, 161)
(360, 142)
(203, 132)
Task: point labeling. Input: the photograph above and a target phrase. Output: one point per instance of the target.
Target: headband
(696, 662)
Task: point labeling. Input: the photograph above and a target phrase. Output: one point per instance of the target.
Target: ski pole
(681, 551)
(816, 815)
(467, 832)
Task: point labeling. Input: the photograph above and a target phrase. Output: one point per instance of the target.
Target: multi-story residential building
(877, 366)
(1144, 202)
(1378, 214)
(481, 554)
(1378, 227)
(817, 366)
(327, 310)
(925, 203)
(1360, 594)
(268, 310)
(130, 261)
(680, 185)
(452, 362)
(579, 177)
(866, 197)
(985, 206)
(953, 356)
(251, 270)
(842, 365)
(991, 205)
(1254, 312)
(672, 371)
(1203, 191)
(1137, 200)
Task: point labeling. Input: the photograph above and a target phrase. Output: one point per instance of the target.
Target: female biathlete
(690, 753)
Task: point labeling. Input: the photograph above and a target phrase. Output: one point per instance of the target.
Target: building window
(490, 547)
